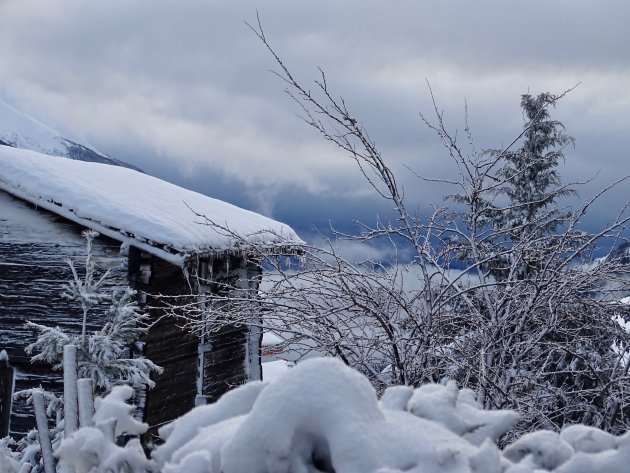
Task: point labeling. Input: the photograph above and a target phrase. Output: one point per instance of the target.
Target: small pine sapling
(89, 291)
(103, 356)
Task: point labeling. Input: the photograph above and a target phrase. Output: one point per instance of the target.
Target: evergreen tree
(105, 355)
(531, 172)
(527, 216)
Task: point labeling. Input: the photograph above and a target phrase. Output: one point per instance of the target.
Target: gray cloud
(182, 89)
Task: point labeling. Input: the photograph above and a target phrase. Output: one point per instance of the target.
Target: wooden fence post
(42, 430)
(70, 399)
(85, 396)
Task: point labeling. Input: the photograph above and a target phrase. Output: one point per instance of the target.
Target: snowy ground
(321, 416)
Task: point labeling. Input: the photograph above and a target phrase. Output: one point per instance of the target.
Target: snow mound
(319, 416)
(458, 411)
(135, 208)
(234, 403)
(94, 449)
(322, 416)
(114, 407)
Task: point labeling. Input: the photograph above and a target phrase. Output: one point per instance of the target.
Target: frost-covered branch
(499, 288)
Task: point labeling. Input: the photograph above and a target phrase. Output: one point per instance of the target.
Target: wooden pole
(42, 430)
(70, 398)
(85, 396)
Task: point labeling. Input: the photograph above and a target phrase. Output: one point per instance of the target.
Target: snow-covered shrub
(9, 460)
(104, 356)
(94, 449)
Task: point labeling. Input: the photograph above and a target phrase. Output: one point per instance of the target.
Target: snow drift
(322, 416)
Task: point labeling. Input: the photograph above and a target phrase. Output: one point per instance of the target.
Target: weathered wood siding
(34, 245)
(224, 363)
(227, 355)
(6, 394)
(167, 344)
(232, 356)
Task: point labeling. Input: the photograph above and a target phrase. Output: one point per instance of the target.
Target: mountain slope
(19, 130)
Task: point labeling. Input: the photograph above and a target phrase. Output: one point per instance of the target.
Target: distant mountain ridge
(19, 130)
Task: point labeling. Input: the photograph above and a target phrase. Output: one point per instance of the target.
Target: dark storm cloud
(182, 89)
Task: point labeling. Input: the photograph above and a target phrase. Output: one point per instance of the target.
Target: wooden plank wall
(227, 363)
(167, 343)
(174, 347)
(6, 394)
(33, 246)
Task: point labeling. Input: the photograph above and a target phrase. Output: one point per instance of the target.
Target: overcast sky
(183, 90)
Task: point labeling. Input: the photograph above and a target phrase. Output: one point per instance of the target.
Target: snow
(271, 339)
(320, 412)
(233, 404)
(274, 369)
(458, 410)
(29, 226)
(323, 417)
(545, 449)
(93, 449)
(114, 407)
(587, 439)
(135, 208)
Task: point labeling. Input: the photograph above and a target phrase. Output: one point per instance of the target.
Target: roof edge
(176, 259)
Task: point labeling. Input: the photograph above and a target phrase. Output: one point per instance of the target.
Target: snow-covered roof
(134, 208)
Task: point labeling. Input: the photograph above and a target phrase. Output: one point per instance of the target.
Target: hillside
(20, 130)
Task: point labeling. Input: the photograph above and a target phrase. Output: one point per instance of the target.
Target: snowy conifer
(105, 356)
(89, 291)
(531, 171)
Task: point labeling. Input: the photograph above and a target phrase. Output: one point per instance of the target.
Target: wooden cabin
(154, 239)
